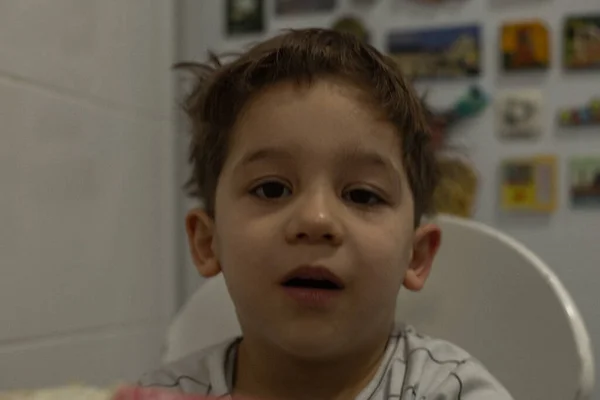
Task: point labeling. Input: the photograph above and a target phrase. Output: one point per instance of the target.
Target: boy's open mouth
(311, 284)
(312, 278)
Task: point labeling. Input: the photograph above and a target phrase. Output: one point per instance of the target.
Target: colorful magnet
(364, 2)
(584, 185)
(245, 17)
(529, 184)
(292, 7)
(469, 105)
(352, 25)
(518, 113)
(456, 192)
(525, 45)
(581, 37)
(434, 1)
(437, 53)
(588, 114)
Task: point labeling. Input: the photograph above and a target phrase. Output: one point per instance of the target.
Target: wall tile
(115, 50)
(86, 246)
(103, 359)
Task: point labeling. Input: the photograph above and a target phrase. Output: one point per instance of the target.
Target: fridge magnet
(529, 184)
(584, 185)
(451, 52)
(581, 41)
(352, 25)
(245, 17)
(469, 105)
(518, 113)
(456, 191)
(364, 2)
(291, 7)
(525, 45)
(435, 2)
(588, 114)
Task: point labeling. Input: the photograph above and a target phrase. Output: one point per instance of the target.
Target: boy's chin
(313, 344)
(312, 351)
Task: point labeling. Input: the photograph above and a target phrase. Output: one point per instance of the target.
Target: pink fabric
(138, 393)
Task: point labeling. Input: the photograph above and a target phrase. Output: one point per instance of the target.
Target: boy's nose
(315, 220)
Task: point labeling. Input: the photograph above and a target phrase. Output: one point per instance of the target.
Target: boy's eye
(271, 190)
(363, 197)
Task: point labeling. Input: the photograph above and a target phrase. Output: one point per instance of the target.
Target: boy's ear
(426, 244)
(200, 230)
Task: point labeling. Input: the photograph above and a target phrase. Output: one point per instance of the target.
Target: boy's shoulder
(423, 366)
(416, 349)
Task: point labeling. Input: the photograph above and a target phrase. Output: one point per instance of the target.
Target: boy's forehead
(326, 94)
(321, 115)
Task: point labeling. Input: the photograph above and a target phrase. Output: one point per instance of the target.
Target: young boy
(312, 156)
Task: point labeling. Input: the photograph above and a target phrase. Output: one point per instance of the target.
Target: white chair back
(208, 318)
(487, 293)
(492, 296)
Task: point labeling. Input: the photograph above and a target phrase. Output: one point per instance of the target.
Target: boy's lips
(312, 287)
(313, 277)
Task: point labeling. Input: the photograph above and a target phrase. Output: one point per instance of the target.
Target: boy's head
(312, 157)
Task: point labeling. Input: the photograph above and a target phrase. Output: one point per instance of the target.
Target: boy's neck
(265, 373)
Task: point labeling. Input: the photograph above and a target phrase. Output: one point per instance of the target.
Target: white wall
(88, 195)
(568, 239)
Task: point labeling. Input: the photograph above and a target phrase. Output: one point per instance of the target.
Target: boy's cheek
(391, 250)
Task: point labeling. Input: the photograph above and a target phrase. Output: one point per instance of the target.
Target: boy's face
(314, 189)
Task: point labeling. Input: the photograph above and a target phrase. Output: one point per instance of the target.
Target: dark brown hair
(222, 89)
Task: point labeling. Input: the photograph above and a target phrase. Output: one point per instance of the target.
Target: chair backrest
(487, 293)
(208, 318)
(492, 296)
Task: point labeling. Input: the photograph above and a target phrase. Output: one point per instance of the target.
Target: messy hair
(222, 89)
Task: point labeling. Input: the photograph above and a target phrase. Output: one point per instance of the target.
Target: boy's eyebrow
(359, 156)
(263, 154)
(365, 157)
(350, 156)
